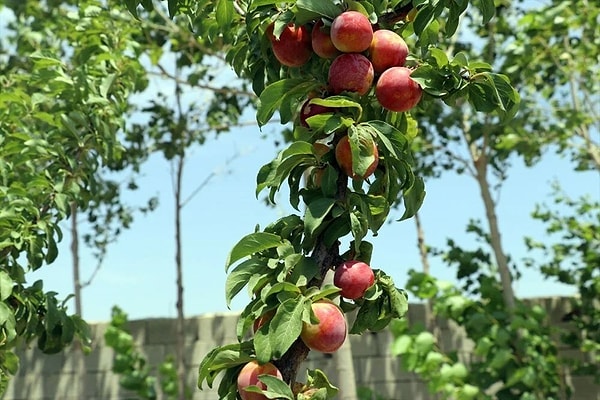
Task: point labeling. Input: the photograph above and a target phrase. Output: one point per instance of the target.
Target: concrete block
(33, 360)
(74, 362)
(100, 359)
(412, 389)
(71, 376)
(220, 328)
(383, 369)
(102, 385)
(416, 313)
(162, 331)
(454, 338)
(584, 388)
(138, 329)
(35, 387)
(366, 345)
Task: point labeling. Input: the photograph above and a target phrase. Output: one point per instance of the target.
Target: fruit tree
(345, 76)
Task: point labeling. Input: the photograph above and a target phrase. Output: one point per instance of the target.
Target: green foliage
(135, 373)
(364, 393)
(67, 73)
(64, 94)
(573, 260)
(545, 52)
(515, 349)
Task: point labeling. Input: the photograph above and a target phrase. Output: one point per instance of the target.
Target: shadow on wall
(74, 376)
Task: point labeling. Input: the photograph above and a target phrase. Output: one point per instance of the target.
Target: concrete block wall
(73, 376)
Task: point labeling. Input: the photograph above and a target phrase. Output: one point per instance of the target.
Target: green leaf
(393, 140)
(274, 174)
(10, 362)
(106, 84)
(367, 316)
(402, 345)
(455, 372)
(325, 8)
(6, 285)
(327, 291)
(132, 6)
(500, 359)
(240, 276)
(317, 379)
(45, 59)
(316, 211)
(259, 3)
(423, 18)
(488, 10)
(173, 6)
(303, 271)
(413, 198)
(221, 358)
(362, 146)
(279, 93)
(286, 325)
(276, 388)
(224, 13)
(53, 314)
(424, 342)
(7, 322)
(359, 226)
(52, 251)
(493, 92)
(251, 244)
(439, 56)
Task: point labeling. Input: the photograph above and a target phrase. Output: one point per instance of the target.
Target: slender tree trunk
(429, 317)
(75, 257)
(430, 322)
(180, 324)
(481, 164)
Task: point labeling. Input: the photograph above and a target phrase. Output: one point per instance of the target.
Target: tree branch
(325, 258)
(224, 90)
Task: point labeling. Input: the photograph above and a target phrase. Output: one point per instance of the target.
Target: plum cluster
(353, 278)
(362, 56)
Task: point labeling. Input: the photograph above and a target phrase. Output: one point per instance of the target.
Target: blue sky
(139, 273)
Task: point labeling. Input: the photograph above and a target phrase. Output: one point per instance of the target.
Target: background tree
(63, 103)
(556, 90)
(77, 125)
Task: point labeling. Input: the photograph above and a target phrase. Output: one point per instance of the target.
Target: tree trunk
(325, 257)
(430, 323)
(429, 317)
(180, 324)
(75, 257)
(508, 294)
